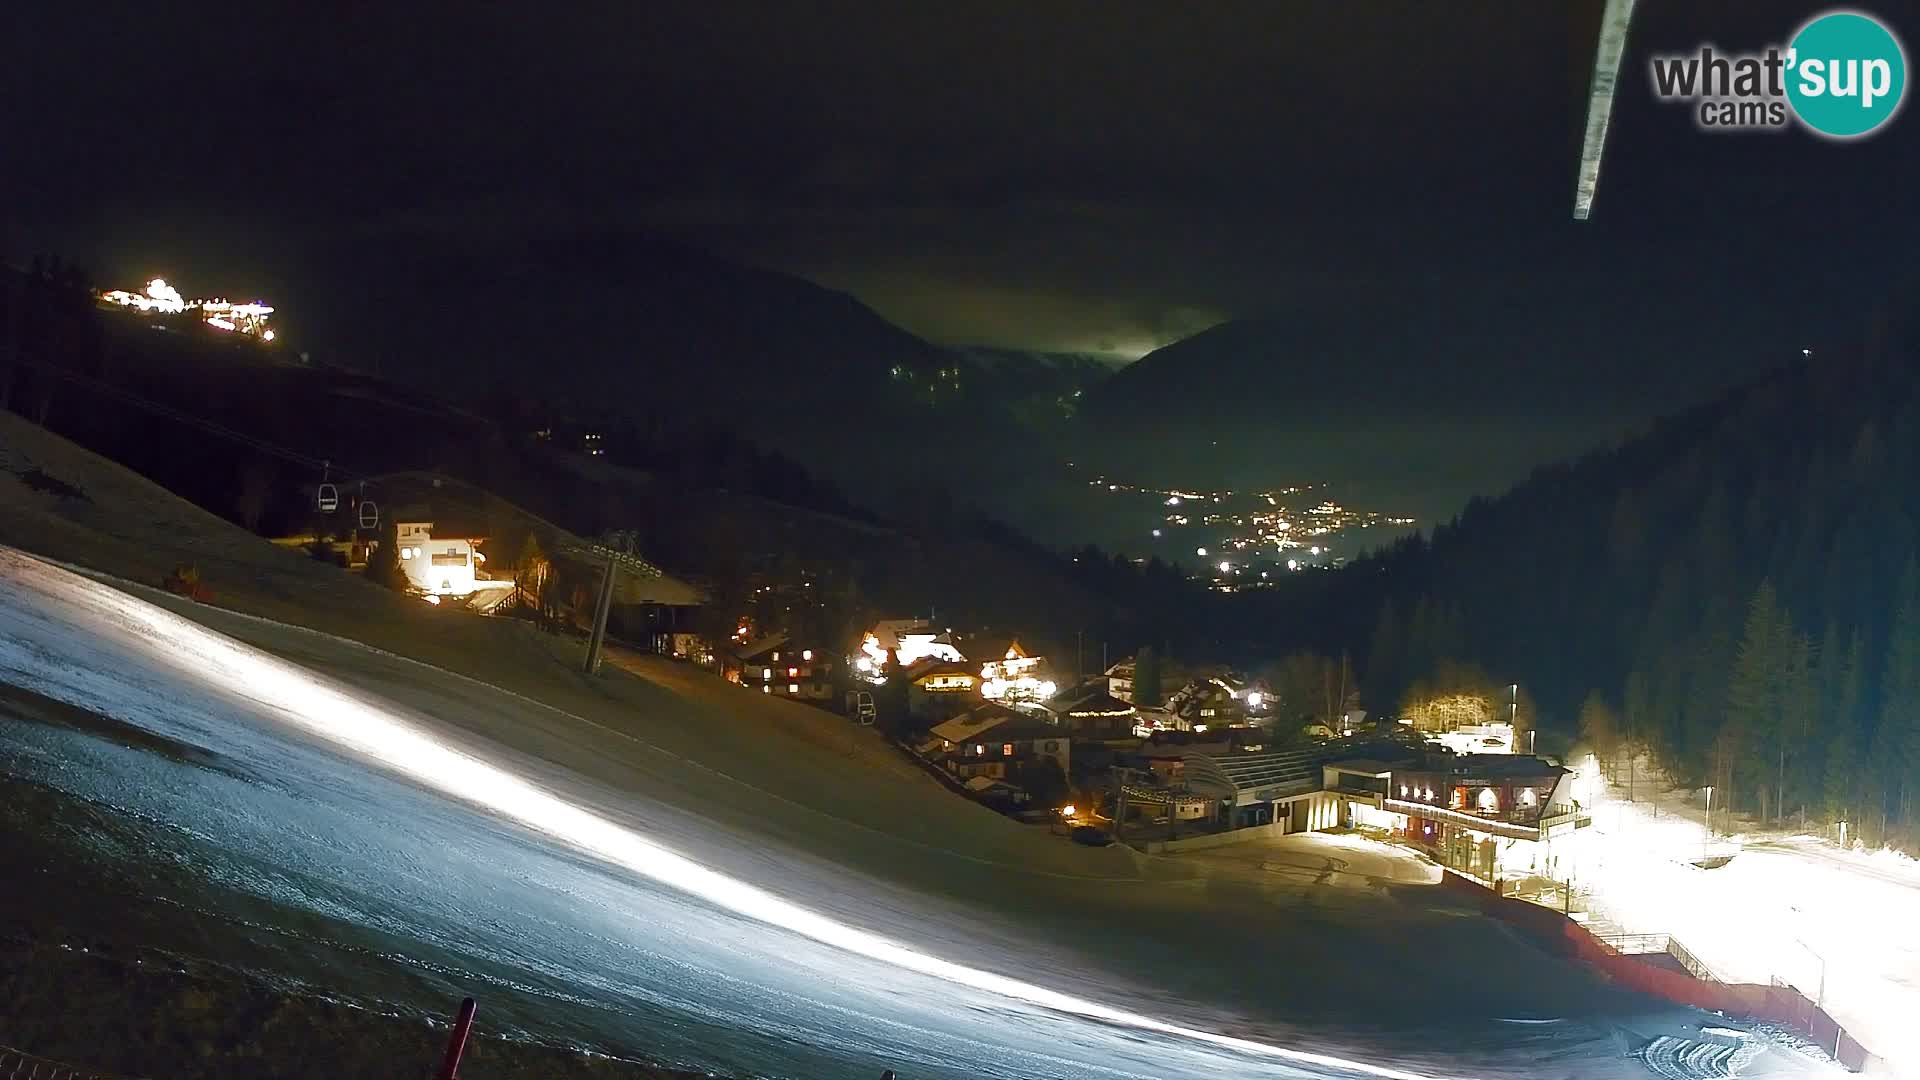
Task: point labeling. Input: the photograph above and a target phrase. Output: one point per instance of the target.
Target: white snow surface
(1827, 921)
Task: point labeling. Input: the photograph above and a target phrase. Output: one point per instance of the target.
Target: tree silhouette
(383, 566)
(1146, 677)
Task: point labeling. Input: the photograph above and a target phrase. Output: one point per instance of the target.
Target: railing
(1647, 944)
(1692, 963)
(16, 1065)
(1491, 825)
(1636, 944)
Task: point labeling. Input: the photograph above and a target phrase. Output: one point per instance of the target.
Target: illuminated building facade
(249, 320)
(907, 640)
(438, 566)
(1016, 677)
(937, 689)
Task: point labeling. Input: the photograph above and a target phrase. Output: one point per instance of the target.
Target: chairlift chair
(326, 496)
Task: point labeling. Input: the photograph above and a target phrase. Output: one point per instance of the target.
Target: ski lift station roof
(1260, 777)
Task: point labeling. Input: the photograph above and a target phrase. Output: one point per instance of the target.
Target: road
(212, 797)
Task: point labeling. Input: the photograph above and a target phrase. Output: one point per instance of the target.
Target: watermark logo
(1841, 76)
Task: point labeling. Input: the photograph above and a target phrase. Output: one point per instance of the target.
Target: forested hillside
(1736, 591)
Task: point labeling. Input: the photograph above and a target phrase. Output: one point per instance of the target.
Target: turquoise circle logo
(1846, 74)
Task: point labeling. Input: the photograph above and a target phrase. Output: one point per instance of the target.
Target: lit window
(766, 689)
(979, 749)
(767, 674)
(806, 654)
(1403, 791)
(1006, 749)
(776, 656)
(793, 688)
(1488, 800)
(792, 671)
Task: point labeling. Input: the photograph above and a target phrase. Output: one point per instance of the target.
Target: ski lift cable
(127, 397)
(584, 549)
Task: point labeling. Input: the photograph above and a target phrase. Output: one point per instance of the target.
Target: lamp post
(1820, 998)
(1709, 836)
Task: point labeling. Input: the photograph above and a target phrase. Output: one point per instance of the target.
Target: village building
(938, 689)
(778, 668)
(993, 740)
(1089, 712)
(1015, 676)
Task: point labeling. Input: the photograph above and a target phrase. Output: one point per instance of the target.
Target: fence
(16, 1065)
(1784, 1006)
(1650, 944)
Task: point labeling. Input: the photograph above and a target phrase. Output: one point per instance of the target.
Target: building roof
(1098, 703)
(982, 784)
(927, 666)
(1368, 766)
(1506, 765)
(754, 649)
(974, 723)
(1287, 771)
(995, 649)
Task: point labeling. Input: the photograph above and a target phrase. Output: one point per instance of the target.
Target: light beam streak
(1606, 78)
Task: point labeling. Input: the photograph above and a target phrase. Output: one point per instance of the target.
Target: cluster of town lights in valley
(249, 319)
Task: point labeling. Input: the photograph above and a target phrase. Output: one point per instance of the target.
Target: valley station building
(1494, 816)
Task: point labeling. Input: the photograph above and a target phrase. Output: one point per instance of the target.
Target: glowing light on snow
(310, 703)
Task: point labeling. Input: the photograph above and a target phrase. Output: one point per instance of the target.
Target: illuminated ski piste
(362, 727)
(1793, 909)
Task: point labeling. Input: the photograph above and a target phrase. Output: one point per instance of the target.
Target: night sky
(1103, 176)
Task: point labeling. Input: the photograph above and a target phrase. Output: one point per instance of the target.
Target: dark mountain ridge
(1739, 584)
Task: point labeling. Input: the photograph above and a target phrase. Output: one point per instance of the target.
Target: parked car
(1091, 835)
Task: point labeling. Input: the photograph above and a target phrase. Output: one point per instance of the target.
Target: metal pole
(457, 1041)
(600, 610)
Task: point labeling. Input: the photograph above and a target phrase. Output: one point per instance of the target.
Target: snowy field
(1843, 927)
(326, 835)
